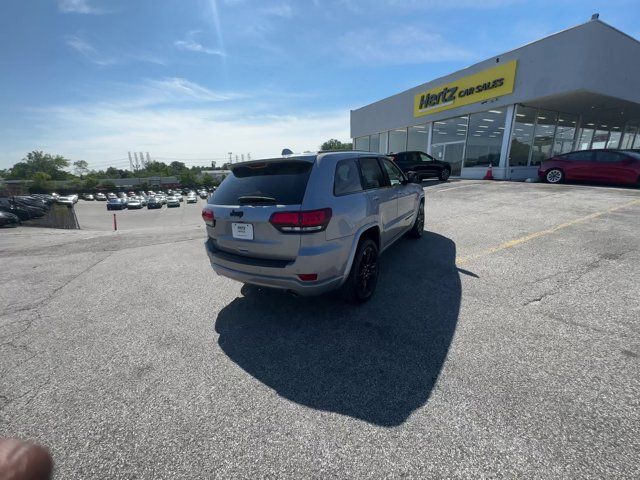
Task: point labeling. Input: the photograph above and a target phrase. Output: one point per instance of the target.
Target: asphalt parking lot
(503, 344)
(94, 216)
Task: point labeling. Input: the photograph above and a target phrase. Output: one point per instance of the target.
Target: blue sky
(194, 79)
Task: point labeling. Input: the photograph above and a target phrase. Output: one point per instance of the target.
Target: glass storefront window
(543, 136)
(586, 135)
(522, 136)
(600, 137)
(417, 138)
(614, 137)
(384, 142)
(361, 143)
(565, 133)
(484, 139)
(374, 143)
(398, 140)
(628, 137)
(448, 140)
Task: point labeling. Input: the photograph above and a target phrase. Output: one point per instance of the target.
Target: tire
(418, 226)
(554, 176)
(363, 276)
(444, 174)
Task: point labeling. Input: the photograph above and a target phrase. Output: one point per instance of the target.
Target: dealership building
(573, 90)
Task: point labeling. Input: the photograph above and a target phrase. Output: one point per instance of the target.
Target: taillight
(308, 277)
(301, 222)
(207, 215)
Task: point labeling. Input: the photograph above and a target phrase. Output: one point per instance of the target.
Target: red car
(598, 166)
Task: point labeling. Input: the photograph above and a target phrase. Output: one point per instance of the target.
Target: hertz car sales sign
(480, 86)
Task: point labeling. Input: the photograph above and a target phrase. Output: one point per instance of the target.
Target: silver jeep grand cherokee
(311, 223)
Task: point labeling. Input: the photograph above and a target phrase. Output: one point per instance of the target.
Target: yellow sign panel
(480, 86)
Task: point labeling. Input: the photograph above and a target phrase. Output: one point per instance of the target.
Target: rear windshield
(274, 182)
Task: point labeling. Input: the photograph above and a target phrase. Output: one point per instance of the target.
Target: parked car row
(24, 207)
(151, 200)
(8, 219)
(65, 199)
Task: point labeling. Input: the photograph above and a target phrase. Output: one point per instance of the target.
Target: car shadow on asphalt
(376, 362)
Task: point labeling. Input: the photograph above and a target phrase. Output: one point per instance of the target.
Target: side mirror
(412, 177)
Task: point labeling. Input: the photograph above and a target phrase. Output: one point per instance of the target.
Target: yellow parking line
(541, 233)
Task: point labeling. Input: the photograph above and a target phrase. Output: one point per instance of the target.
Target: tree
(81, 167)
(74, 185)
(110, 186)
(153, 169)
(187, 178)
(90, 184)
(207, 180)
(40, 183)
(176, 168)
(38, 161)
(334, 144)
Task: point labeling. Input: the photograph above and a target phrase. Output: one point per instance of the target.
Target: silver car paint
(274, 259)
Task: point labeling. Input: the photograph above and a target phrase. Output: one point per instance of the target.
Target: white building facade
(574, 90)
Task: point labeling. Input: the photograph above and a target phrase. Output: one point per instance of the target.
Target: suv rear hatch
(244, 203)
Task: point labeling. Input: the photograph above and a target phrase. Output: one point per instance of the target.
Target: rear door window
(347, 177)
(393, 172)
(424, 158)
(269, 182)
(372, 175)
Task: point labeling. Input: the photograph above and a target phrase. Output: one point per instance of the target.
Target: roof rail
(341, 150)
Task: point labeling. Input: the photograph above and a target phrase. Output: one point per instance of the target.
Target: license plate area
(242, 231)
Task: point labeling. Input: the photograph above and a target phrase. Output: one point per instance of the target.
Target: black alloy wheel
(363, 277)
(418, 226)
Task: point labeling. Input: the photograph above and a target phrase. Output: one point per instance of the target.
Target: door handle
(375, 199)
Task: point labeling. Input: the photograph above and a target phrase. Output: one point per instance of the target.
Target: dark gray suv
(311, 223)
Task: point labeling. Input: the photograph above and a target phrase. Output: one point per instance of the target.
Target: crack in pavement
(14, 336)
(50, 295)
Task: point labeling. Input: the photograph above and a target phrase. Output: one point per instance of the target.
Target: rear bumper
(283, 276)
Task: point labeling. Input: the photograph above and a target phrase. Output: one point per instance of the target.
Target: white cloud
(189, 43)
(78, 6)
(147, 58)
(102, 133)
(170, 90)
(88, 51)
(81, 45)
(406, 45)
(177, 118)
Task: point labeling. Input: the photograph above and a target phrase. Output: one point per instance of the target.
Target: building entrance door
(450, 152)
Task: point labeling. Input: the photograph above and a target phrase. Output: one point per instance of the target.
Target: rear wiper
(244, 199)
